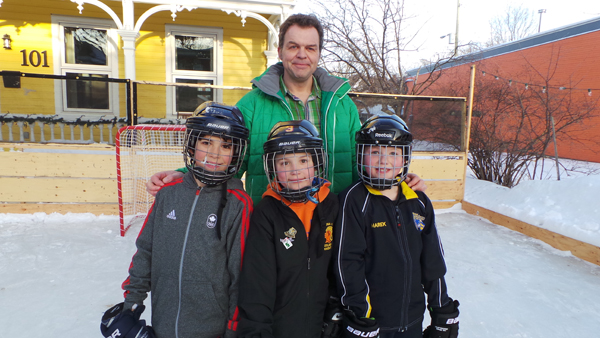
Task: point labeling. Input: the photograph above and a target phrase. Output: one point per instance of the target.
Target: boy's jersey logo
(291, 233)
(171, 215)
(289, 238)
(328, 236)
(378, 225)
(287, 242)
(211, 221)
(419, 221)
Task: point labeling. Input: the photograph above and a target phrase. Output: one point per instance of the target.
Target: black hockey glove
(118, 322)
(355, 327)
(332, 320)
(444, 322)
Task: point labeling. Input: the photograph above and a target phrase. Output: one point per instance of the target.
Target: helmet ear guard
(390, 135)
(295, 139)
(212, 120)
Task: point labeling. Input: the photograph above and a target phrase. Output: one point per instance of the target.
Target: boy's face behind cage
(295, 170)
(383, 162)
(213, 153)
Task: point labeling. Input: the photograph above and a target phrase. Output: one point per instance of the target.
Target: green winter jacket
(265, 105)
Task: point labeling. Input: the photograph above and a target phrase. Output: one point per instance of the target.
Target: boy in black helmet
(285, 283)
(389, 253)
(190, 247)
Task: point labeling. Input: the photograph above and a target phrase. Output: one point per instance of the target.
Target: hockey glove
(444, 321)
(355, 327)
(332, 320)
(125, 323)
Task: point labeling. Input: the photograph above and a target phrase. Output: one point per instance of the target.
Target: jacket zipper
(307, 295)
(407, 268)
(187, 232)
(332, 162)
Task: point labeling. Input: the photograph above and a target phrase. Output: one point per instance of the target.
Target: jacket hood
(320, 195)
(189, 182)
(268, 82)
(406, 193)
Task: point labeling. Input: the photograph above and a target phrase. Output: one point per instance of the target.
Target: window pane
(189, 98)
(87, 94)
(85, 46)
(194, 53)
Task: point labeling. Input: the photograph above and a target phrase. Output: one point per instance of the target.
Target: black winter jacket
(387, 255)
(284, 291)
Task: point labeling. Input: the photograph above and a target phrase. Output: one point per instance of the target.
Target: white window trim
(61, 68)
(172, 74)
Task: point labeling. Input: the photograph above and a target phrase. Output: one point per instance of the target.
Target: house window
(194, 56)
(85, 49)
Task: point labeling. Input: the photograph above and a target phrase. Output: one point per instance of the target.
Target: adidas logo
(171, 215)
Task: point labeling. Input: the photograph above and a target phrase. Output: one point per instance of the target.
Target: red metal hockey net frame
(160, 128)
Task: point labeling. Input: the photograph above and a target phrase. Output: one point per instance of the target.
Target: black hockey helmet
(384, 131)
(225, 122)
(293, 138)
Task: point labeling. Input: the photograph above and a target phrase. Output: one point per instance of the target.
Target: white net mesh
(142, 151)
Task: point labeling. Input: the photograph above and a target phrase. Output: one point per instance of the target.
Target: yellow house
(69, 67)
(222, 43)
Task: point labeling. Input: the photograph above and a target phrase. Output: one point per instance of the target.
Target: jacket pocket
(201, 310)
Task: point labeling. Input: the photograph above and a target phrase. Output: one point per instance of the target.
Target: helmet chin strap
(315, 187)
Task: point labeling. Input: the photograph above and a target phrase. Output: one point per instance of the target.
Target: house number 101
(35, 58)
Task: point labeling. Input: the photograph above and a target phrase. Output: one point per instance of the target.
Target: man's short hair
(304, 21)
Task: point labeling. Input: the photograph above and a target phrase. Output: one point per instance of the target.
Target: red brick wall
(570, 63)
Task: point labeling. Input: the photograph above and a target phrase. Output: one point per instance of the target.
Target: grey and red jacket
(388, 256)
(191, 273)
(286, 278)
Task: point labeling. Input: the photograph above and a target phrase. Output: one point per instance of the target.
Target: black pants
(414, 331)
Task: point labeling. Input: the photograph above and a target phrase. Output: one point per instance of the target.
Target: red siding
(570, 63)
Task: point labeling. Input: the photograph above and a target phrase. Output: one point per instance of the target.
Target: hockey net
(143, 150)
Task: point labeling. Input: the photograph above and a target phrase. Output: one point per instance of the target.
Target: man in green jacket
(296, 89)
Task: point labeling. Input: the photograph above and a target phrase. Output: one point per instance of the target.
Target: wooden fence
(83, 178)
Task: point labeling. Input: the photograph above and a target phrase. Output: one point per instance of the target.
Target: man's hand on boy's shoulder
(415, 182)
(158, 180)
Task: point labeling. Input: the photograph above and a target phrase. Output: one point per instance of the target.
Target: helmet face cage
(383, 151)
(383, 166)
(296, 173)
(213, 157)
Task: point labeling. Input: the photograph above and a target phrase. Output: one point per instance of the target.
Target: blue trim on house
(565, 32)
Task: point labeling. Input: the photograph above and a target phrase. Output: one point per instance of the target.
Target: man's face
(294, 171)
(383, 161)
(213, 153)
(300, 53)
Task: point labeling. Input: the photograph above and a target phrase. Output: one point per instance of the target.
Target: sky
(59, 273)
(436, 18)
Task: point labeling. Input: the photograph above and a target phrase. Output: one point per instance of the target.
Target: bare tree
(514, 24)
(512, 127)
(363, 42)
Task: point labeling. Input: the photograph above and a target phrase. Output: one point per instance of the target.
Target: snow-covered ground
(59, 273)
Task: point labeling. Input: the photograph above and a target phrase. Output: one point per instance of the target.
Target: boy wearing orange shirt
(286, 278)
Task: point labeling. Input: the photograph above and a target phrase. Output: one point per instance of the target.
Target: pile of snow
(568, 206)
